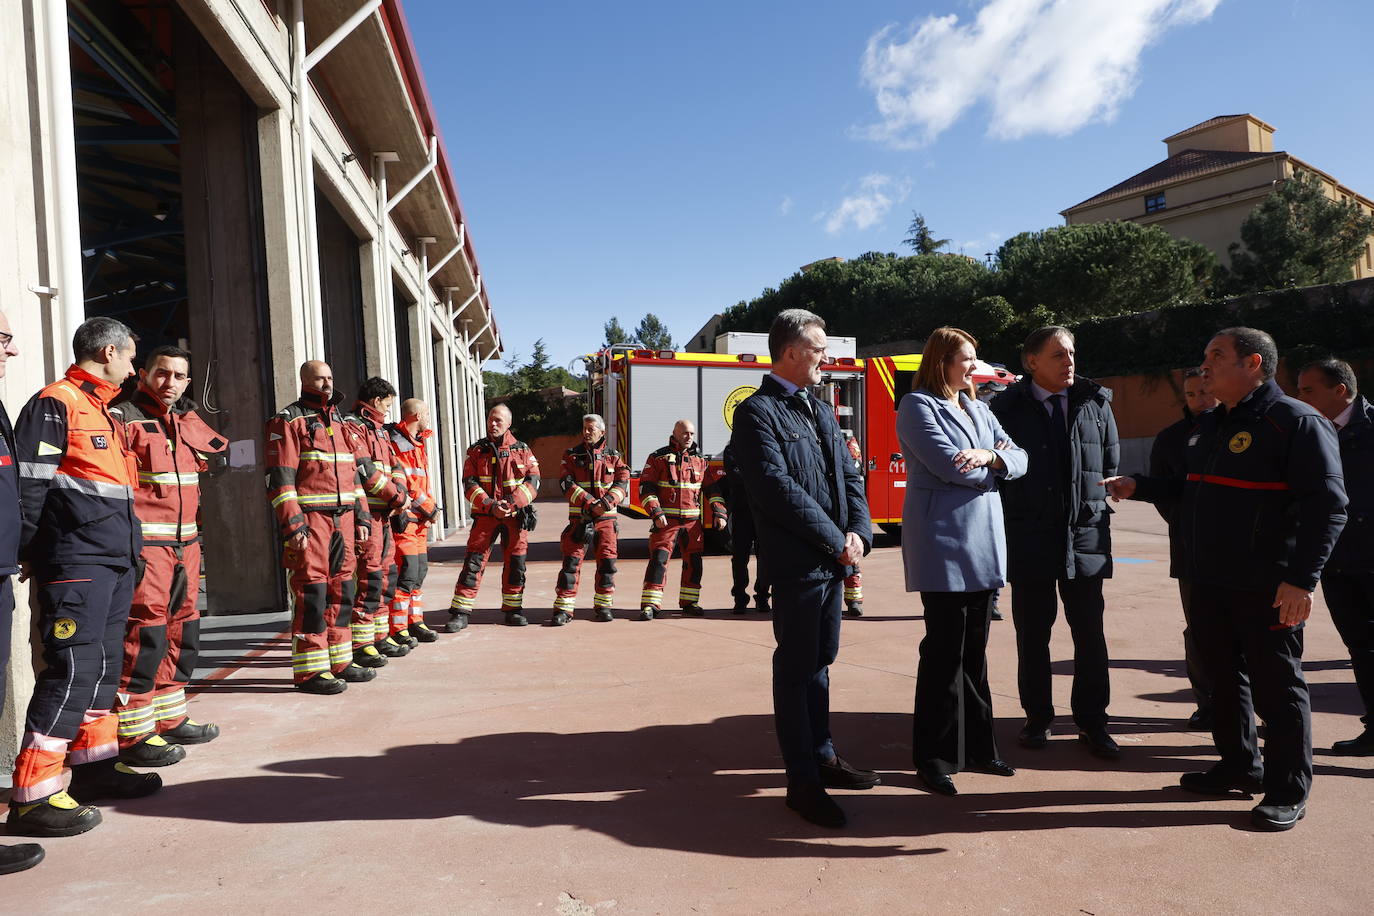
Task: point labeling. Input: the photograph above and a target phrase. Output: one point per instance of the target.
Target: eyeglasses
(5, 340)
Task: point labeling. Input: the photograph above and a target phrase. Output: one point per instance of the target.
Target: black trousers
(6, 624)
(952, 722)
(1350, 597)
(743, 542)
(1202, 687)
(806, 624)
(1033, 609)
(1238, 632)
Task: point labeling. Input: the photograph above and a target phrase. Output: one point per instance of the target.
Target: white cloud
(1042, 66)
(786, 206)
(874, 198)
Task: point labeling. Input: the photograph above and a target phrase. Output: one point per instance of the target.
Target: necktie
(1059, 419)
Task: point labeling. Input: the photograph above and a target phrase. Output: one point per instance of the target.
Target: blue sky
(621, 158)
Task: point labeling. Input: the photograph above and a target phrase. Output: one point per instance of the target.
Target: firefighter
(595, 480)
(854, 582)
(172, 445)
(671, 487)
(501, 481)
(412, 526)
(386, 495)
(79, 540)
(316, 490)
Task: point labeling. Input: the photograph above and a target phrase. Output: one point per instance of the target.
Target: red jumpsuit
(412, 544)
(315, 486)
(676, 484)
(495, 471)
(592, 475)
(386, 494)
(162, 640)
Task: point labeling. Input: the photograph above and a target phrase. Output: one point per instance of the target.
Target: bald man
(500, 480)
(317, 493)
(407, 600)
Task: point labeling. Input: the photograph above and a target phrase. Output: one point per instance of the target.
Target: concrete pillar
(284, 236)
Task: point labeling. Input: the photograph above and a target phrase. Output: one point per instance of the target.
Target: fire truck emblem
(733, 400)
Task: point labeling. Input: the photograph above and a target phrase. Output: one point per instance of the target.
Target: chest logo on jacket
(1240, 442)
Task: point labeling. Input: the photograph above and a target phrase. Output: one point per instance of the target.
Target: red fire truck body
(642, 393)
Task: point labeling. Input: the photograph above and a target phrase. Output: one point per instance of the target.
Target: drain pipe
(71, 289)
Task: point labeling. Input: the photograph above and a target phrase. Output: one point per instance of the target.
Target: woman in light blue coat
(955, 554)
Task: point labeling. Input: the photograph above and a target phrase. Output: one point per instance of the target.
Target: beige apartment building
(1216, 173)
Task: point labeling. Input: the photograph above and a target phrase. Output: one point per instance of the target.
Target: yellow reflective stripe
(152, 529)
(325, 499)
(379, 486)
(169, 477)
(678, 486)
(283, 497)
(336, 457)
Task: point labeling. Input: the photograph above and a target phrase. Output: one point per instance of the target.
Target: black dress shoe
(939, 783)
(838, 774)
(740, 608)
(761, 605)
(20, 857)
(1218, 782)
(1362, 746)
(1277, 817)
(1034, 735)
(994, 767)
(995, 614)
(1200, 720)
(814, 805)
(1100, 743)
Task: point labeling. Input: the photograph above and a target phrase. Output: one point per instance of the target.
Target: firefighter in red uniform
(674, 485)
(171, 444)
(595, 479)
(316, 491)
(386, 495)
(412, 539)
(500, 480)
(854, 583)
(79, 539)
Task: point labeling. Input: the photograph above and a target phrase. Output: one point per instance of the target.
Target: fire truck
(642, 393)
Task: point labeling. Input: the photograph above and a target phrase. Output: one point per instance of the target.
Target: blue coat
(803, 489)
(952, 534)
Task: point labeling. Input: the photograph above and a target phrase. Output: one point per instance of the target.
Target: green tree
(1102, 269)
(653, 334)
(537, 373)
(615, 334)
(920, 238)
(1298, 237)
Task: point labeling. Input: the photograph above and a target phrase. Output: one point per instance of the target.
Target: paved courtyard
(631, 767)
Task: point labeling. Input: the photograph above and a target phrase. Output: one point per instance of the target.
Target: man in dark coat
(1168, 456)
(1261, 504)
(1058, 534)
(1348, 579)
(813, 526)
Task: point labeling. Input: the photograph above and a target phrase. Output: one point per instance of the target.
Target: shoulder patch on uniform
(46, 449)
(273, 437)
(151, 426)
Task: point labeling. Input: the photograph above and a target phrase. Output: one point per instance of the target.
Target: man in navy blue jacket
(24, 855)
(1261, 501)
(813, 526)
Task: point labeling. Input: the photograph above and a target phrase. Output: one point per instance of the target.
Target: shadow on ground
(692, 788)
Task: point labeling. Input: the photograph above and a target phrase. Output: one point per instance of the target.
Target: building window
(1155, 202)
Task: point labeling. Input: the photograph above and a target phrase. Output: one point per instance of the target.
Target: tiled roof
(1210, 122)
(1191, 163)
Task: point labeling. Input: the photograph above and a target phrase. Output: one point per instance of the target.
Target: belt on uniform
(329, 510)
(1238, 483)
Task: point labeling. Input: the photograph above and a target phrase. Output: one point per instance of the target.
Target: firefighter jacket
(9, 499)
(592, 474)
(413, 459)
(679, 484)
(1260, 498)
(170, 446)
(494, 471)
(312, 463)
(384, 480)
(76, 476)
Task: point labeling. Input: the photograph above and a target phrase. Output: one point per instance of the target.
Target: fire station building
(261, 182)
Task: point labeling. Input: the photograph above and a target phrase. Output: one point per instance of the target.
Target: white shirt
(1342, 419)
(1044, 396)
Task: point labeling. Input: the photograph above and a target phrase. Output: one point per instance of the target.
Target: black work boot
(693, 610)
(56, 815)
(112, 779)
(357, 674)
(603, 614)
(325, 684)
(404, 637)
(559, 619)
(648, 612)
(153, 751)
(19, 857)
(457, 620)
(515, 619)
(422, 632)
(368, 657)
(189, 732)
(391, 648)
(854, 609)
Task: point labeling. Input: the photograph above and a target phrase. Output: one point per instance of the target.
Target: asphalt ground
(631, 767)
